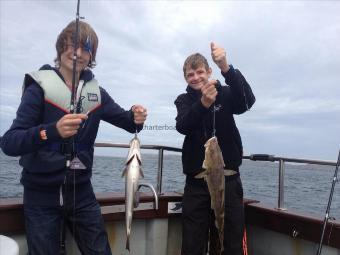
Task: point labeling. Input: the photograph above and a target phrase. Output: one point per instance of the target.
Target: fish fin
(141, 172)
(124, 172)
(204, 165)
(129, 159)
(127, 244)
(201, 175)
(139, 158)
(132, 156)
(136, 200)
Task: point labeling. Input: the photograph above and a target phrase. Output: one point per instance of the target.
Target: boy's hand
(209, 93)
(69, 124)
(139, 114)
(218, 55)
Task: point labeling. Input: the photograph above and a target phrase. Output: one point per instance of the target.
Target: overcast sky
(288, 51)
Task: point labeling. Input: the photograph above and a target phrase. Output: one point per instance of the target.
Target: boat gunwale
(293, 224)
(256, 214)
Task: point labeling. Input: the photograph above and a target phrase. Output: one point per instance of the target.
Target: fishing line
(214, 120)
(329, 205)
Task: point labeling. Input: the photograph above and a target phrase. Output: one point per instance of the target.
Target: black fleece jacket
(196, 122)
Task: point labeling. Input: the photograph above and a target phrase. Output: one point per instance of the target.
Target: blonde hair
(87, 38)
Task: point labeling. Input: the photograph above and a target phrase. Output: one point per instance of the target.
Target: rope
(244, 243)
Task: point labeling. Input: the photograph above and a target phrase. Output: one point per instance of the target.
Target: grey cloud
(288, 51)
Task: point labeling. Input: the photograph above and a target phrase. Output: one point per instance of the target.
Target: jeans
(84, 220)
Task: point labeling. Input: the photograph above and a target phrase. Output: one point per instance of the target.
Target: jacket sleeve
(116, 115)
(189, 116)
(242, 97)
(24, 134)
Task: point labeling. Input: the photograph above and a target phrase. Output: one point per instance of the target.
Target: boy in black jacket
(195, 121)
(54, 192)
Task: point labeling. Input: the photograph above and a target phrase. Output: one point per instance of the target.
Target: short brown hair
(85, 32)
(194, 61)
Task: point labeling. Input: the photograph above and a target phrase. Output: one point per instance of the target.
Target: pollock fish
(214, 176)
(132, 172)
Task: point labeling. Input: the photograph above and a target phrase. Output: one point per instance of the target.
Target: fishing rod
(69, 153)
(74, 73)
(70, 144)
(329, 205)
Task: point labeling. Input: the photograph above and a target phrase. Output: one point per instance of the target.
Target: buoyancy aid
(44, 164)
(57, 97)
(58, 94)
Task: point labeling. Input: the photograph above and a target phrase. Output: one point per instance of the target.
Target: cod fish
(132, 172)
(214, 176)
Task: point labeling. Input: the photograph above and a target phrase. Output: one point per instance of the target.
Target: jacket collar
(193, 92)
(86, 75)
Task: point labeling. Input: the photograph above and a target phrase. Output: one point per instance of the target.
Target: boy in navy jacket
(44, 132)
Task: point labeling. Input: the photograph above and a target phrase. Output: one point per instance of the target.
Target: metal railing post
(160, 170)
(280, 203)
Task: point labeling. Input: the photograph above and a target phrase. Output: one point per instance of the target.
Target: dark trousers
(198, 218)
(43, 227)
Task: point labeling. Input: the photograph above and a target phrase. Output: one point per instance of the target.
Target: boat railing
(160, 150)
(255, 157)
(282, 161)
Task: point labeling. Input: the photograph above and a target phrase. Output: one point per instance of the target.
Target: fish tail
(127, 243)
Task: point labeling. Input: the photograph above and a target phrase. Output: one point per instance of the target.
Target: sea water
(307, 187)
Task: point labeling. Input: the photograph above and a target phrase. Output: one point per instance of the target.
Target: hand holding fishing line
(219, 56)
(69, 124)
(209, 93)
(208, 90)
(139, 114)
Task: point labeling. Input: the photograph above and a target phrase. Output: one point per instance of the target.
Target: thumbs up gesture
(218, 55)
